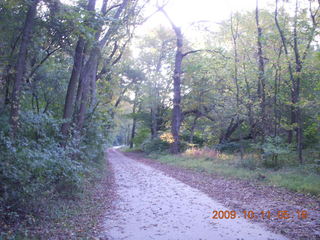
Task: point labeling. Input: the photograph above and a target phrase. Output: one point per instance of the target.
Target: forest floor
(155, 199)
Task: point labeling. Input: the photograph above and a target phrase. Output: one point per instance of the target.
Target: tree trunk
(90, 73)
(233, 126)
(235, 35)
(176, 112)
(296, 120)
(134, 122)
(21, 65)
(74, 79)
(193, 127)
(261, 76)
(296, 88)
(155, 94)
(72, 86)
(154, 123)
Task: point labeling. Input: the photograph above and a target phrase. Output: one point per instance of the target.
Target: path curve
(151, 205)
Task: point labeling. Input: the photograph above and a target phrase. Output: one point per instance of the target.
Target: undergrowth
(40, 178)
(290, 175)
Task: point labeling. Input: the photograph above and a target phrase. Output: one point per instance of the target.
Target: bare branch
(191, 52)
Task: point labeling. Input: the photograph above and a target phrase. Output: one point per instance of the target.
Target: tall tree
(261, 74)
(176, 112)
(295, 68)
(74, 79)
(21, 64)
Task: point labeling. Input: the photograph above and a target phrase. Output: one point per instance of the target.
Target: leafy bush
(227, 147)
(155, 145)
(271, 149)
(141, 135)
(35, 166)
(197, 139)
(311, 134)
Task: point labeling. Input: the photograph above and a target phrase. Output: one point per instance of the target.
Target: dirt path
(151, 205)
(246, 195)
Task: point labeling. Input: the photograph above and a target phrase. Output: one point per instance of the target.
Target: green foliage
(271, 149)
(304, 179)
(197, 139)
(311, 134)
(141, 135)
(155, 145)
(35, 166)
(275, 146)
(227, 147)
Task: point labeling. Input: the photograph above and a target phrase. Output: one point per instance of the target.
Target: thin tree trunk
(21, 65)
(276, 91)
(235, 35)
(155, 94)
(296, 120)
(134, 122)
(154, 123)
(93, 91)
(249, 105)
(297, 109)
(285, 48)
(193, 127)
(261, 75)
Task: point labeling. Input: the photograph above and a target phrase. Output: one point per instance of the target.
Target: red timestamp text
(282, 215)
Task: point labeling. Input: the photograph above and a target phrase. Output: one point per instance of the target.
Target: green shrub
(197, 140)
(141, 135)
(36, 166)
(272, 148)
(227, 147)
(155, 145)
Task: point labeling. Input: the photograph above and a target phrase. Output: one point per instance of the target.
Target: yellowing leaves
(167, 137)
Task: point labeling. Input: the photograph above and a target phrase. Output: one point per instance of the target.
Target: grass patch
(134, 149)
(296, 180)
(305, 179)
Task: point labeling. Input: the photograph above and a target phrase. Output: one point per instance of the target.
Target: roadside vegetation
(57, 112)
(283, 173)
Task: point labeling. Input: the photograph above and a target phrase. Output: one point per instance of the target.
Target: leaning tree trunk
(91, 66)
(72, 86)
(74, 79)
(21, 65)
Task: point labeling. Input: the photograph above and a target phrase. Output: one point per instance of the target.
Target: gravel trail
(151, 205)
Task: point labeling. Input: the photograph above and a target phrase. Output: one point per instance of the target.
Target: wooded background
(76, 78)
